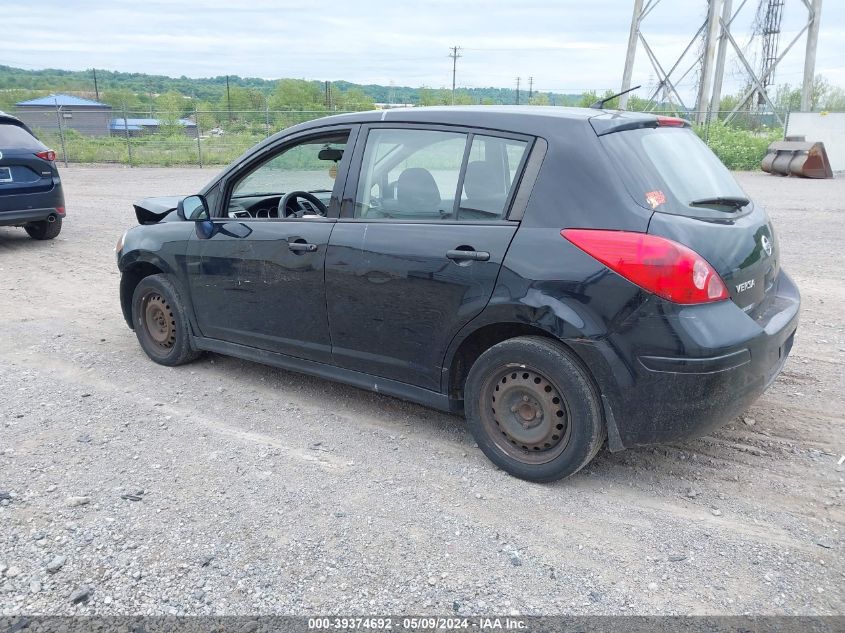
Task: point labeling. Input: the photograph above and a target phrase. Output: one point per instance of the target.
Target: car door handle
(302, 247)
(462, 255)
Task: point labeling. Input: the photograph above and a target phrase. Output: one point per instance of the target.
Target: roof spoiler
(609, 122)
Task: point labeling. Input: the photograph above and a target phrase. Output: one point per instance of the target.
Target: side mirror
(194, 208)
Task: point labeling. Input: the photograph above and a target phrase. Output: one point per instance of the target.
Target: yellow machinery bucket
(797, 158)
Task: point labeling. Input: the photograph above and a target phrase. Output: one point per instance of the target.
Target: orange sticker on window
(655, 198)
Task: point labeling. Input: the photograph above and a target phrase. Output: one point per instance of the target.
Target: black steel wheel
(160, 322)
(533, 409)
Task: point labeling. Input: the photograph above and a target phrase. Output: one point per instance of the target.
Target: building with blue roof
(86, 116)
(138, 127)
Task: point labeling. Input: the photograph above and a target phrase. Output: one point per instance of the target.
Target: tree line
(171, 98)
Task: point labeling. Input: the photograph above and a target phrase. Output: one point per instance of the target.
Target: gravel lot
(231, 488)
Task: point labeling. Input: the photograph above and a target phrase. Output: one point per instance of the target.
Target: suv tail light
(47, 154)
(656, 264)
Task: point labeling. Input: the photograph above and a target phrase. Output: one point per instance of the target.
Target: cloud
(562, 44)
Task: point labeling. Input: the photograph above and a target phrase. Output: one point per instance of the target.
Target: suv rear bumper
(16, 218)
(652, 395)
(19, 208)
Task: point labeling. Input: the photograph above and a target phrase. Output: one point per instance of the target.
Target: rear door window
(673, 171)
(437, 175)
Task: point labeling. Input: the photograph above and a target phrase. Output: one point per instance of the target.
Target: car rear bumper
(20, 208)
(652, 394)
(15, 218)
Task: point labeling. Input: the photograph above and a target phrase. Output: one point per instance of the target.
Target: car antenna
(599, 105)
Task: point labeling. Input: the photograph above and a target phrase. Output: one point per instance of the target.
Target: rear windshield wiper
(737, 202)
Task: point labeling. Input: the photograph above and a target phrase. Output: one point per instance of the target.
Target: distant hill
(17, 84)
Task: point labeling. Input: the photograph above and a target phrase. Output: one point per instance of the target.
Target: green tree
(241, 99)
(170, 107)
(120, 98)
(297, 94)
(353, 99)
(539, 99)
(834, 100)
(787, 98)
(431, 97)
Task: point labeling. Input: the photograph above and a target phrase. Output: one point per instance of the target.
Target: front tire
(533, 409)
(44, 230)
(160, 322)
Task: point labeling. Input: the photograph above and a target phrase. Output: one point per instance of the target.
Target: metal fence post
(126, 132)
(61, 132)
(199, 133)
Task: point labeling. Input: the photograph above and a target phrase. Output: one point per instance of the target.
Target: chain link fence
(144, 138)
(202, 138)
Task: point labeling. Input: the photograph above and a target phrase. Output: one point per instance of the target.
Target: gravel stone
(280, 493)
(56, 564)
(82, 594)
(73, 502)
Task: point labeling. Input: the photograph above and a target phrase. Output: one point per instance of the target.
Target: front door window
(309, 166)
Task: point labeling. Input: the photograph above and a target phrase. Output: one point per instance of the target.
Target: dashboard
(267, 206)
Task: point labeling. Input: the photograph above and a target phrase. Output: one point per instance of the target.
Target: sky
(565, 46)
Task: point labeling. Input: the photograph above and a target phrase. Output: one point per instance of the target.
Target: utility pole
(530, 88)
(228, 98)
(454, 55)
(517, 90)
(96, 89)
(810, 57)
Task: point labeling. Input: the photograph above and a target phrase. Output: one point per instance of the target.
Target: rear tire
(160, 322)
(533, 409)
(44, 230)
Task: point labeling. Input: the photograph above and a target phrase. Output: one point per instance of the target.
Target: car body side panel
(248, 287)
(395, 299)
(161, 246)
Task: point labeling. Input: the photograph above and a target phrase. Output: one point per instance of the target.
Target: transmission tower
(715, 34)
(769, 16)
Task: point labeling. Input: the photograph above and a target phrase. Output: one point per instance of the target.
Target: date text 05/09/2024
(426, 623)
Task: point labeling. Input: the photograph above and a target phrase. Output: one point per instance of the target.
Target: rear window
(14, 137)
(666, 169)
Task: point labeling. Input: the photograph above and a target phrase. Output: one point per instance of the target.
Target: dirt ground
(255, 490)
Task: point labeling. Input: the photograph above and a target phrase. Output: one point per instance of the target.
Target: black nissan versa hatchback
(559, 276)
(30, 188)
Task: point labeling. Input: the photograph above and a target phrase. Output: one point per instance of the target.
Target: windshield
(673, 171)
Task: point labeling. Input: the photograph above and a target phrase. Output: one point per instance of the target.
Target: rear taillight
(671, 121)
(656, 264)
(47, 154)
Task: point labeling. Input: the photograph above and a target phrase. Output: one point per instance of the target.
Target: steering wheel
(299, 211)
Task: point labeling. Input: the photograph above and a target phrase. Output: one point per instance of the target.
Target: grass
(737, 148)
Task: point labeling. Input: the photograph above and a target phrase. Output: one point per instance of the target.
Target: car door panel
(396, 298)
(249, 287)
(259, 281)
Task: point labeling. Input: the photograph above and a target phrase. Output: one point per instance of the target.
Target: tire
(43, 230)
(533, 410)
(160, 322)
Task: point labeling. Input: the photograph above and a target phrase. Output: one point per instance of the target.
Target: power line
(517, 90)
(530, 88)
